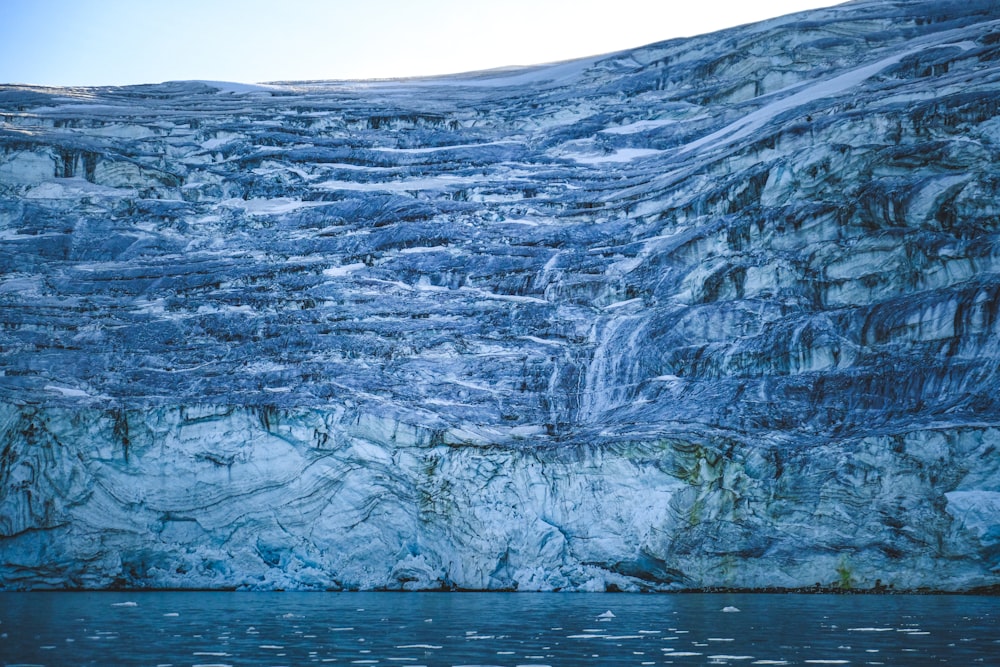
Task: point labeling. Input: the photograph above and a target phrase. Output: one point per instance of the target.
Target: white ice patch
(639, 126)
(70, 393)
(343, 270)
(274, 206)
(443, 181)
(434, 149)
(70, 188)
(620, 155)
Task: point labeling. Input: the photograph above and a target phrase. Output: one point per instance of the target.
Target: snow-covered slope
(722, 311)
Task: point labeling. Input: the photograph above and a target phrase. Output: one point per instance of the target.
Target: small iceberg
(730, 609)
(606, 615)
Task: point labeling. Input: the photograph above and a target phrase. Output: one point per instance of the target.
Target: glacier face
(720, 311)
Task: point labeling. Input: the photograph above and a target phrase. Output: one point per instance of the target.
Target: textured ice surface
(721, 311)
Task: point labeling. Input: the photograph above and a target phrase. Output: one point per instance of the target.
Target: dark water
(410, 629)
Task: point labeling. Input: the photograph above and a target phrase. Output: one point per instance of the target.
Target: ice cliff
(720, 311)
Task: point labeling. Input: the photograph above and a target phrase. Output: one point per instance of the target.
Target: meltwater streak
(189, 628)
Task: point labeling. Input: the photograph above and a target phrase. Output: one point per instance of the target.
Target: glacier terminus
(717, 312)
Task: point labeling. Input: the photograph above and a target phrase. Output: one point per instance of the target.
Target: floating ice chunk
(607, 614)
(869, 629)
(171, 614)
(729, 657)
(827, 662)
(424, 646)
(730, 609)
(124, 604)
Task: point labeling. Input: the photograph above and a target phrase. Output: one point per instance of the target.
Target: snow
(837, 85)
(559, 73)
(234, 88)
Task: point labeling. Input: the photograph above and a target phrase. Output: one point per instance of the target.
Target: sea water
(511, 629)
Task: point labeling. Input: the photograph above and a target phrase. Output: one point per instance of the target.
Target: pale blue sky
(117, 42)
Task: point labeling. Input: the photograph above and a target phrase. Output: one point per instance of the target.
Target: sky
(123, 42)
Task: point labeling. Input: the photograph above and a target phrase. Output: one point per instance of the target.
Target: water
(410, 629)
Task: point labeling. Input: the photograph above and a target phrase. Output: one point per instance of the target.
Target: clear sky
(118, 42)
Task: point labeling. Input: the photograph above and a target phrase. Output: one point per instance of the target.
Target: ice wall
(335, 499)
(721, 311)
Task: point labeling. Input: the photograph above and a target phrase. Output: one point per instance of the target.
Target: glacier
(717, 312)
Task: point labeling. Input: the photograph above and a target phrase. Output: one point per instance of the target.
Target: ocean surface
(410, 629)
